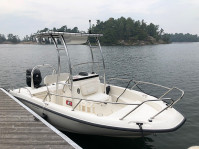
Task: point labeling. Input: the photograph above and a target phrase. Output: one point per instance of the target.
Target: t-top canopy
(70, 38)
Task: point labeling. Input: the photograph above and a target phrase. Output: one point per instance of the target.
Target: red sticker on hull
(69, 103)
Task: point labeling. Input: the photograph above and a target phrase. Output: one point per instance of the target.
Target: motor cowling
(37, 78)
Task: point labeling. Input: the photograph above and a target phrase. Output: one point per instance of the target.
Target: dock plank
(19, 129)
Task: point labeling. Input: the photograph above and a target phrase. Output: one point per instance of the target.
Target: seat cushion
(89, 88)
(99, 97)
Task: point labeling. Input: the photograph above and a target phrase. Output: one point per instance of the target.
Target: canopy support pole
(59, 65)
(69, 63)
(103, 64)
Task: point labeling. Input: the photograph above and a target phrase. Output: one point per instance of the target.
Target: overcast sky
(23, 17)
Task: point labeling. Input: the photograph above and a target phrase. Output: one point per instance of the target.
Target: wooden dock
(21, 128)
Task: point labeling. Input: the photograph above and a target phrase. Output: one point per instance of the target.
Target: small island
(121, 31)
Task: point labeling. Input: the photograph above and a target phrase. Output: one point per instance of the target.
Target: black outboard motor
(83, 73)
(36, 77)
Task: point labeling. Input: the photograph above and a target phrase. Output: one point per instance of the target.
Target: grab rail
(26, 89)
(97, 101)
(137, 107)
(159, 99)
(85, 63)
(44, 65)
(174, 102)
(119, 103)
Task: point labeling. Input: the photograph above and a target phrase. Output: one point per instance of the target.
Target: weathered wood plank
(20, 124)
(20, 130)
(31, 141)
(35, 146)
(25, 129)
(16, 118)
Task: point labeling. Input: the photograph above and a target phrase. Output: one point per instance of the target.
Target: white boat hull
(70, 124)
(66, 123)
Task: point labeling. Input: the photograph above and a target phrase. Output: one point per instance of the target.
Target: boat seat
(92, 90)
(89, 88)
(50, 79)
(99, 97)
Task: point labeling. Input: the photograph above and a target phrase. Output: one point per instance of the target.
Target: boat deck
(21, 128)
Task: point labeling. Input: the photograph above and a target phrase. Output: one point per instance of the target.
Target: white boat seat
(99, 97)
(89, 88)
(50, 79)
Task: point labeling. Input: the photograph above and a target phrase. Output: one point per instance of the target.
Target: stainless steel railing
(136, 83)
(26, 89)
(137, 105)
(119, 103)
(74, 67)
(38, 66)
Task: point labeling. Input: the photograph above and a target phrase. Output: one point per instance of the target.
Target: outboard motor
(83, 73)
(36, 77)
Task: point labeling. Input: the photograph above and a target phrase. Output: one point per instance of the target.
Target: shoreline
(140, 43)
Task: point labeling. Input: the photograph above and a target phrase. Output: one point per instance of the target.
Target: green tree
(75, 30)
(128, 30)
(166, 38)
(62, 29)
(180, 37)
(13, 38)
(121, 30)
(44, 30)
(2, 38)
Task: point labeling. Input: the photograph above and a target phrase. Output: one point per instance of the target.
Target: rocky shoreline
(149, 41)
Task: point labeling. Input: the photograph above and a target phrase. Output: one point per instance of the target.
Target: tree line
(180, 37)
(30, 38)
(10, 38)
(121, 31)
(117, 31)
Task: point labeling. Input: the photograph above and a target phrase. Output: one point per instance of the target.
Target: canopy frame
(65, 37)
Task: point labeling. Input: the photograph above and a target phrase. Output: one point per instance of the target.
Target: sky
(25, 17)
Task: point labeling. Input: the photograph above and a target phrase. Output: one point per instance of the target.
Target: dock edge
(63, 136)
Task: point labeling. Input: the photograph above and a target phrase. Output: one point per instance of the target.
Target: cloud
(12, 6)
(172, 16)
(133, 6)
(53, 12)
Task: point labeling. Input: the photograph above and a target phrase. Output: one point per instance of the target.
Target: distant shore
(120, 43)
(139, 43)
(22, 42)
(149, 41)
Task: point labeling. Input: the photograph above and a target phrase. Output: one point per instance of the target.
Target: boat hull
(66, 123)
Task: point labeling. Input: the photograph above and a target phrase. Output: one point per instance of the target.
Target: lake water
(170, 65)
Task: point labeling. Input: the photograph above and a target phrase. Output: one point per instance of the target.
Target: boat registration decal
(70, 103)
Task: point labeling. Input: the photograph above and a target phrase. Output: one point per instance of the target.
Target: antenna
(89, 26)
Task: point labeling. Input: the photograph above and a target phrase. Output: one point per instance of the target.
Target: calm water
(169, 65)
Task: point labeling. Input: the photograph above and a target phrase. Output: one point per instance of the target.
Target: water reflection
(102, 142)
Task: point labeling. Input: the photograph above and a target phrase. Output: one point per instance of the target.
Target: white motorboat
(83, 104)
